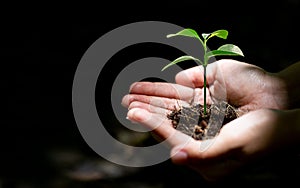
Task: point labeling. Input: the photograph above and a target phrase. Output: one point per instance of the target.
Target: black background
(42, 46)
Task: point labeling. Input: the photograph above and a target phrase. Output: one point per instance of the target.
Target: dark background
(41, 48)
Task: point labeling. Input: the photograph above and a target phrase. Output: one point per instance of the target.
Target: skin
(266, 102)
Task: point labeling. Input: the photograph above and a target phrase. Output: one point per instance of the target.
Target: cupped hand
(240, 142)
(244, 86)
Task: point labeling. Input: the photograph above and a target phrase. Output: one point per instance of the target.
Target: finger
(148, 107)
(162, 89)
(160, 125)
(162, 102)
(201, 152)
(199, 96)
(206, 157)
(192, 77)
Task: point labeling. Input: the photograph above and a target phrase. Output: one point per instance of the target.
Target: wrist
(288, 80)
(278, 89)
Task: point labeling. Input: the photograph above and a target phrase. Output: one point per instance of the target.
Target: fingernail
(180, 157)
(131, 86)
(137, 115)
(125, 101)
(132, 121)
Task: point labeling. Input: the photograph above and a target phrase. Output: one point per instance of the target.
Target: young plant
(226, 49)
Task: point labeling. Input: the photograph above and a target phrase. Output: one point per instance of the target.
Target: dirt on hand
(192, 120)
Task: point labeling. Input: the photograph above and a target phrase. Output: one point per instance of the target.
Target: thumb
(192, 77)
(199, 151)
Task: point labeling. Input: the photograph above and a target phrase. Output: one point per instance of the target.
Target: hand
(248, 87)
(243, 85)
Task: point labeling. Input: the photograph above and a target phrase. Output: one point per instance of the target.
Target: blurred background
(40, 50)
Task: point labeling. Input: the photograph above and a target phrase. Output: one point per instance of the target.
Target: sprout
(224, 50)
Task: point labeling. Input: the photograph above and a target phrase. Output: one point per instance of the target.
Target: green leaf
(186, 32)
(180, 59)
(226, 49)
(231, 48)
(219, 33)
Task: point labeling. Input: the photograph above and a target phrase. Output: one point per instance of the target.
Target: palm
(245, 86)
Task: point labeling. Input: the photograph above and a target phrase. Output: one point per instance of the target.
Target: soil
(192, 120)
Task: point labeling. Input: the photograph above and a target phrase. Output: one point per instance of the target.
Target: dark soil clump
(192, 121)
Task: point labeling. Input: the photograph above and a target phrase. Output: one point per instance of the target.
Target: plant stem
(205, 62)
(204, 86)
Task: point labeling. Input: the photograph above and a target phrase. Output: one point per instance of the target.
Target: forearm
(290, 77)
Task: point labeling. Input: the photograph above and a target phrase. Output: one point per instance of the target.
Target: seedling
(224, 50)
